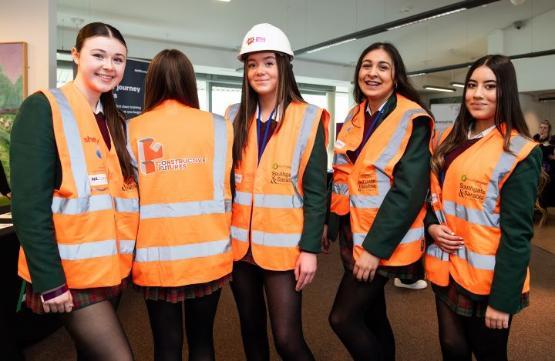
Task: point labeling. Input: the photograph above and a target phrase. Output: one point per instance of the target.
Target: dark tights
(166, 322)
(359, 318)
(284, 307)
(461, 336)
(97, 333)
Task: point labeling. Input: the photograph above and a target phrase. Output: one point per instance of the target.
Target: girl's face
(100, 63)
(262, 73)
(544, 130)
(376, 75)
(481, 94)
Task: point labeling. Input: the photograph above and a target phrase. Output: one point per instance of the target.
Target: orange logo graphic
(149, 151)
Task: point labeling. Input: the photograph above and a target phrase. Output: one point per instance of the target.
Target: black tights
(166, 322)
(284, 307)
(461, 336)
(359, 318)
(97, 333)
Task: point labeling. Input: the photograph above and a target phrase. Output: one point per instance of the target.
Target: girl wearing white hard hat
(279, 203)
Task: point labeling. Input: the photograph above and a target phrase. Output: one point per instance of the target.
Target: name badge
(98, 180)
(238, 178)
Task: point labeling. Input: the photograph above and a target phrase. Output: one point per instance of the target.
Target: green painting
(13, 89)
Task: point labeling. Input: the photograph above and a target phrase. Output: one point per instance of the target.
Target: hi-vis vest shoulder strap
(231, 112)
(365, 183)
(268, 203)
(469, 203)
(185, 198)
(95, 211)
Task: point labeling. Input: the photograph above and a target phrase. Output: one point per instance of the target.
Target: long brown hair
(287, 91)
(114, 118)
(402, 84)
(507, 111)
(170, 75)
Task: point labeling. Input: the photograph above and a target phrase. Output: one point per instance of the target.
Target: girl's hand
(366, 266)
(305, 269)
(59, 304)
(496, 319)
(445, 238)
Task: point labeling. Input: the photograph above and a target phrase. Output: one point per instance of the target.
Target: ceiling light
(331, 45)
(439, 88)
(457, 84)
(396, 24)
(428, 18)
(224, 1)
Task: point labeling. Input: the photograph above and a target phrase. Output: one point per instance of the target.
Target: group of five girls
(186, 201)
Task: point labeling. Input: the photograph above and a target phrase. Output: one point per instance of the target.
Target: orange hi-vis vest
(95, 211)
(268, 203)
(360, 188)
(184, 161)
(469, 203)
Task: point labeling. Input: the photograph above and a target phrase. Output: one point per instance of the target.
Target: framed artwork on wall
(13, 90)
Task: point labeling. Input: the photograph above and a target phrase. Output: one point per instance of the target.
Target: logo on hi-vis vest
(368, 183)
(280, 174)
(151, 158)
(472, 189)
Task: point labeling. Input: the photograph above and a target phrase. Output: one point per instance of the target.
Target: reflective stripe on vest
(413, 235)
(433, 250)
(101, 202)
(182, 252)
(476, 260)
(340, 159)
(74, 252)
(74, 146)
(184, 209)
(213, 206)
(232, 112)
(265, 238)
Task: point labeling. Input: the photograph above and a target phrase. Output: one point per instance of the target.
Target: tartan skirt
(81, 297)
(182, 293)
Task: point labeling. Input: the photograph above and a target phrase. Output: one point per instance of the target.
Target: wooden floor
(412, 315)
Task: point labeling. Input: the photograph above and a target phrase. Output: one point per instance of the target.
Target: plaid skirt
(464, 304)
(81, 297)
(182, 293)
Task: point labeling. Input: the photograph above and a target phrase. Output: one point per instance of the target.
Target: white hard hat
(265, 37)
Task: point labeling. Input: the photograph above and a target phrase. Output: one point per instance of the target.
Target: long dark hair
(507, 111)
(114, 118)
(401, 82)
(287, 91)
(170, 75)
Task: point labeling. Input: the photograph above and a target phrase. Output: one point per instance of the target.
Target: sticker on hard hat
(256, 39)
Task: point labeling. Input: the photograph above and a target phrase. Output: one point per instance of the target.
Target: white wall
(34, 22)
(536, 34)
(535, 112)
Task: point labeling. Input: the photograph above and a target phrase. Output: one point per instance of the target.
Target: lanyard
(263, 140)
(370, 130)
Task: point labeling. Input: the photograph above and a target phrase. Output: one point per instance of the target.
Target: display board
(129, 94)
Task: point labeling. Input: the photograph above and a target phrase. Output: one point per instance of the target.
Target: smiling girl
(279, 203)
(75, 203)
(380, 180)
(484, 181)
